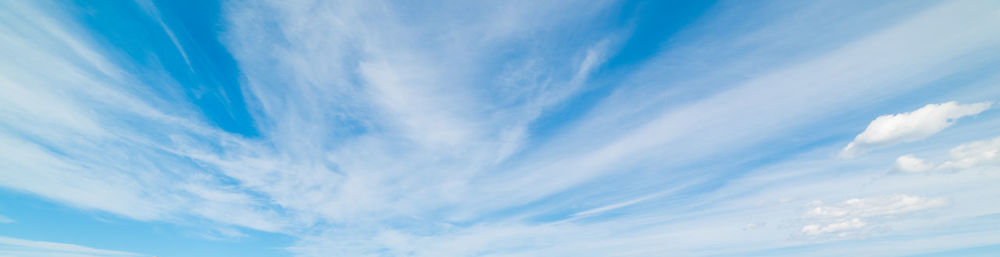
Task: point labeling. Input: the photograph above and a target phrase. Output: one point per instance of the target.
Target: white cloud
(817, 229)
(912, 164)
(377, 173)
(437, 112)
(755, 225)
(154, 13)
(742, 114)
(29, 248)
(78, 130)
(615, 206)
(434, 133)
(979, 154)
(910, 126)
(849, 217)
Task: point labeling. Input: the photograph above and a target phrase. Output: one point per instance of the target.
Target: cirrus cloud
(29, 248)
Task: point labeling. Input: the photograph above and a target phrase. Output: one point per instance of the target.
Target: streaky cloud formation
(509, 128)
(28, 248)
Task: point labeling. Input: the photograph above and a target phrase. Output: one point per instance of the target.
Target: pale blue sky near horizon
(499, 128)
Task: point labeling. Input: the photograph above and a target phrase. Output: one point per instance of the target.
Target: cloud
(817, 229)
(154, 13)
(912, 164)
(978, 155)
(5, 219)
(615, 206)
(382, 133)
(849, 217)
(80, 130)
(28, 248)
(375, 118)
(910, 126)
(973, 155)
(655, 123)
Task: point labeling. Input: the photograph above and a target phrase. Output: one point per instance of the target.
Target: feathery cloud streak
(384, 132)
(28, 248)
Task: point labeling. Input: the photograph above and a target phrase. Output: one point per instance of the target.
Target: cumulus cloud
(910, 126)
(853, 216)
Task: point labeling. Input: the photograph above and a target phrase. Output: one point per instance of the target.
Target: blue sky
(499, 128)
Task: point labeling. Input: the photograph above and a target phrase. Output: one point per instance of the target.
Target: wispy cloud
(28, 248)
(77, 129)
(5, 219)
(150, 8)
(385, 132)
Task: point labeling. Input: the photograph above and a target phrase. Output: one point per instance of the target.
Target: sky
(499, 128)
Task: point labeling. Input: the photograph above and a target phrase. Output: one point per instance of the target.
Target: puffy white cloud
(852, 216)
(910, 126)
(912, 164)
